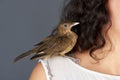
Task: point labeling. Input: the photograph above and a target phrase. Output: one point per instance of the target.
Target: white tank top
(66, 68)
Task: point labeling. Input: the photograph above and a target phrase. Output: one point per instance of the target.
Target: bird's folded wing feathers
(54, 46)
(57, 44)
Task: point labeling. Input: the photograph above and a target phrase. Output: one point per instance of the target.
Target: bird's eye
(65, 25)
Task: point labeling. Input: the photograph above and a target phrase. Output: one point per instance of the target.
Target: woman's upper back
(66, 68)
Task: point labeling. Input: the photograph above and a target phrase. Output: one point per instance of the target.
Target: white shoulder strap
(47, 69)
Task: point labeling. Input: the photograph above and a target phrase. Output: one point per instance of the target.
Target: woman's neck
(114, 31)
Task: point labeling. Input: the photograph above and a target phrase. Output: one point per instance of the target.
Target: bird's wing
(54, 46)
(58, 45)
(45, 47)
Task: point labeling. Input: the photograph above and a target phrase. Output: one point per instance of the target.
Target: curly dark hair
(92, 15)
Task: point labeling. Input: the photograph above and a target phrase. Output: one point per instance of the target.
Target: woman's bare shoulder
(38, 73)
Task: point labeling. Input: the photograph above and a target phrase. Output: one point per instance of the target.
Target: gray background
(24, 23)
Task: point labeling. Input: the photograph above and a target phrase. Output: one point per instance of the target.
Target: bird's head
(65, 27)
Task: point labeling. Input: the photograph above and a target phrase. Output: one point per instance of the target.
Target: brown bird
(58, 44)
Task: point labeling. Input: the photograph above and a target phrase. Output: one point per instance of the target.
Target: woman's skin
(111, 63)
(38, 73)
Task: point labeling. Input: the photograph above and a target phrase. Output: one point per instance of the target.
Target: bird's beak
(74, 24)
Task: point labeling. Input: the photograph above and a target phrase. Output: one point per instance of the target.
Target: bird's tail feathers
(24, 55)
